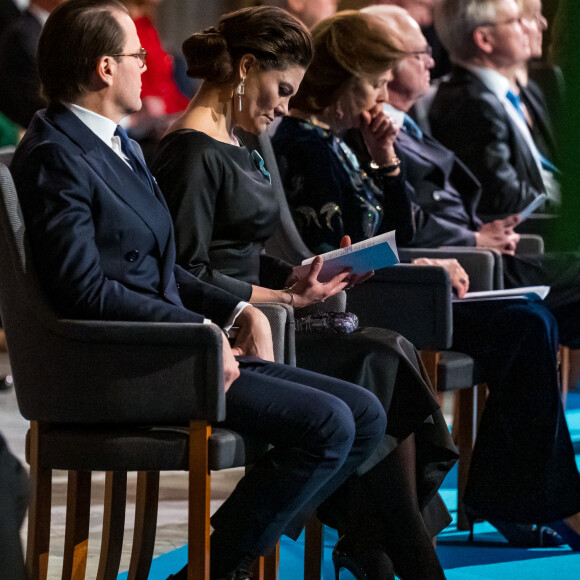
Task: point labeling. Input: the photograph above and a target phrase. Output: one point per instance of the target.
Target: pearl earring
(240, 91)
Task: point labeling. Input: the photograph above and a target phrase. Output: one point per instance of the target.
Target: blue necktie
(412, 128)
(136, 163)
(517, 103)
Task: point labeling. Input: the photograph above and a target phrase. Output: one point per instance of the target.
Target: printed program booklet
(372, 254)
(528, 292)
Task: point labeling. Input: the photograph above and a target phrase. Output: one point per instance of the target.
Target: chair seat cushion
(106, 448)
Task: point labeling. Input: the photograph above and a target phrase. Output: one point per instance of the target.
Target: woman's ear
(247, 63)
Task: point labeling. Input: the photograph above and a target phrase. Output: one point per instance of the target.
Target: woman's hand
(308, 289)
(354, 279)
(254, 335)
(458, 276)
(379, 133)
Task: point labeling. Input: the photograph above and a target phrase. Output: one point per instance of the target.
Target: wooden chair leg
(76, 539)
(430, 359)
(272, 563)
(113, 525)
(38, 542)
(464, 441)
(146, 505)
(313, 549)
(199, 497)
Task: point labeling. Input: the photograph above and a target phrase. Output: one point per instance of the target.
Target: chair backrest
(98, 371)
(26, 314)
(6, 154)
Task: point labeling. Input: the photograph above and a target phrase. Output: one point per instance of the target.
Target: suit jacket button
(132, 255)
(436, 195)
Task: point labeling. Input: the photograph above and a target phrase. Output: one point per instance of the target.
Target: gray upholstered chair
(91, 391)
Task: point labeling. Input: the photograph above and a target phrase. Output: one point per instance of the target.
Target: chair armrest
(530, 244)
(281, 319)
(481, 264)
(414, 301)
(122, 372)
(335, 303)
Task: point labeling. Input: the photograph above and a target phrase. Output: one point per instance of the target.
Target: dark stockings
(389, 515)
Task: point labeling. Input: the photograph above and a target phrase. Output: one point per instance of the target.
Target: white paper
(529, 292)
(372, 254)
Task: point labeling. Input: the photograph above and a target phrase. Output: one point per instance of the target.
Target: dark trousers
(560, 271)
(321, 428)
(523, 467)
(13, 504)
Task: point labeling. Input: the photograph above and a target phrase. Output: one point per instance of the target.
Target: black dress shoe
(569, 536)
(518, 535)
(364, 562)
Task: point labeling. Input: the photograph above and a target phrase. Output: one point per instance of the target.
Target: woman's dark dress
(523, 467)
(224, 211)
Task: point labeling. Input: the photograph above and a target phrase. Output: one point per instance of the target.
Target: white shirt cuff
(232, 319)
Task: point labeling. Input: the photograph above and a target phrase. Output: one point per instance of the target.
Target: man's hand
(457, 275)
(231, 365)
(254, 336)
(499, 235)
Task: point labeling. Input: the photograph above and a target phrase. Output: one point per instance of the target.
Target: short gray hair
(455, 21)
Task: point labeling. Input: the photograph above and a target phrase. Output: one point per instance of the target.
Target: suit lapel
(520, 144)
(123, 182)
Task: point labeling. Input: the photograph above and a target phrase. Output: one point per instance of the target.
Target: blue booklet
(372, 254)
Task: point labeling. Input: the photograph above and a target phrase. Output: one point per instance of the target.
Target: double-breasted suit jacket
(102, 241)
(444, 193)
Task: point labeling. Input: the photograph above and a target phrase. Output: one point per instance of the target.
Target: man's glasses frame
(141, 56)
(426, 53)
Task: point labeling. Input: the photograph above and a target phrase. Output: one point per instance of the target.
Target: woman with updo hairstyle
(224, 210)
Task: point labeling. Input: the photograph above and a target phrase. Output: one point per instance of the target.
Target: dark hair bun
(208, 57)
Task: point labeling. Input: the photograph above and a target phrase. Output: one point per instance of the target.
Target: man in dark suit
(477, 112)
(445, 194)
(101, 239)
(20, 94)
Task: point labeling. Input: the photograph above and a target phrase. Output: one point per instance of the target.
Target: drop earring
(240, 91)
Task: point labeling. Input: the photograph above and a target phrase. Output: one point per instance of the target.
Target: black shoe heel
(365, 563)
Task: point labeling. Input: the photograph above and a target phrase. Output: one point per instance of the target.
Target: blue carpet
(487, 557)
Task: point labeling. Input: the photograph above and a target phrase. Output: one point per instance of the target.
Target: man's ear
(105, 69)
(483, 38)
(247, 63)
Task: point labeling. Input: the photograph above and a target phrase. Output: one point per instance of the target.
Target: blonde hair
(346, 45)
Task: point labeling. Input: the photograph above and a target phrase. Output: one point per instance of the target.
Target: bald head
(311, 12)
(411, 76)
(420, 10)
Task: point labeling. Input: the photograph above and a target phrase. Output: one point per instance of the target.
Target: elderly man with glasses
(477, 111)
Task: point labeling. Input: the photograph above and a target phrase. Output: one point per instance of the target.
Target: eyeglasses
(425, 54)
(512, 20)
(141, 55)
